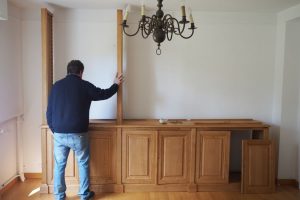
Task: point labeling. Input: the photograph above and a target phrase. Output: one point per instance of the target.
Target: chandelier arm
(183, 28)
(171, 35)
(188, 36)
(167, 17)
(145, 34)
(169, 28)
(152, 23)
(147, 26)
(128, 34)
(175, 21)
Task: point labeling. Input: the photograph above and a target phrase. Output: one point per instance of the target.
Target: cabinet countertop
(180, 123)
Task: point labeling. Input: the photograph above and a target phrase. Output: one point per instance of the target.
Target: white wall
(8, 150)
(10, 92)
(10, 62)
(224, 71)
(32, 86)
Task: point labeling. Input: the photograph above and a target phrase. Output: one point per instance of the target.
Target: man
(68, 118)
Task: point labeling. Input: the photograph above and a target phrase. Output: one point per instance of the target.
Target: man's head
(75, 67)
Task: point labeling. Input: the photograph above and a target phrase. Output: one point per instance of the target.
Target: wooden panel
(139, 155)
(103, 157)
(258, 171)
(120, 65)
(212, 157)
(71, 172)
(47, 58)
(174, 156)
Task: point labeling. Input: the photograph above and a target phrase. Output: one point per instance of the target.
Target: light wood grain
(174, 157)
(139, 157)
(154, 159)
(212, 157)
(47, 58)
(47, 81)
(258, 167)
(103, 154)
(120, 65)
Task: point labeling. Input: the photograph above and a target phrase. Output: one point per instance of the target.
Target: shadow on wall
(289, 128)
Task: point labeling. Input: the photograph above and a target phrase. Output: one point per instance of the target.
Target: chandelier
(161, 26)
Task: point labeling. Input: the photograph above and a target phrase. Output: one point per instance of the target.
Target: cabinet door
(258, 166)
(103, 151)
(212, 156)
(138, 156)
(71, 172)
(174, 156)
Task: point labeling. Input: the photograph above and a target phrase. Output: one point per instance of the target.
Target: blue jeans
(79, 143)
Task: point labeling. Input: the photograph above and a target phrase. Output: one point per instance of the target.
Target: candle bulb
(143, 10)
(191, 16)
(126, 13)
(183, 11)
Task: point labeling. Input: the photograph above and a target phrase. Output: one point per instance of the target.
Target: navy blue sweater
(69, 104)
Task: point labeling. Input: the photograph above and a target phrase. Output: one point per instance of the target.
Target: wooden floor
(30, 190)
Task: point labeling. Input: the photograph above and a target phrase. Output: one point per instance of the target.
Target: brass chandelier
(161, 26)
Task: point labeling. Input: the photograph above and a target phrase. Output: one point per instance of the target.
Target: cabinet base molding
(289, 182)
(155, 188)
(192, 188)
(231, 187)
(120, 188)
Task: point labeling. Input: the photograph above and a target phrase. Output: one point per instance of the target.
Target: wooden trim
(44, 155)
(33, 175)
(47, 58)
(120, 65)
(231, 187)
(9, 185)
(288, 182)
(119, 156)
(193, 187)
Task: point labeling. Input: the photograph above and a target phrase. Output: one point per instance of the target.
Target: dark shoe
(91, 195)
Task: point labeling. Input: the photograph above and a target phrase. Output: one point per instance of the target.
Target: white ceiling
(201, 5)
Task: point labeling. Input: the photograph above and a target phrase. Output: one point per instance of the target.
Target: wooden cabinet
(258, 166)
(144, 158)
(212, 156)
(71, 173)
(139, 156)
(173, 156)
(103, 156)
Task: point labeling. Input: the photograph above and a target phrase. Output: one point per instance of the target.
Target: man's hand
(119, 79)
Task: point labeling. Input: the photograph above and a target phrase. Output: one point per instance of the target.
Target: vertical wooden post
(119, 98)
(120, 65)
(47, 59)
(47, 81)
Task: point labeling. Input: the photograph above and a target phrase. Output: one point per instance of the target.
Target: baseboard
(33, 175)
(9, 185)
(288, 182)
